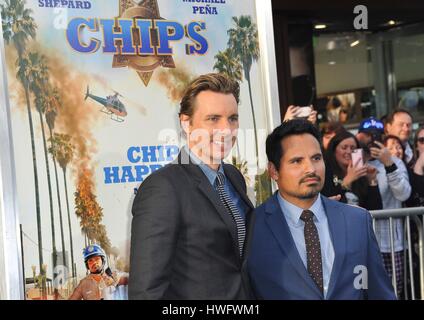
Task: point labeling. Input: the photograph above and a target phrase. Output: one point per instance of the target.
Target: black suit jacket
(183, 241)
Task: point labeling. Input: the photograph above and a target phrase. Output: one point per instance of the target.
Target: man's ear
(387, 127)
(185, 123)
(273, 172)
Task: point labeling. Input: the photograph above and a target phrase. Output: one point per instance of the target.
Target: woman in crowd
(416, 179)
(395, 146)
(329, 130)
(356, 182)
(417, 171)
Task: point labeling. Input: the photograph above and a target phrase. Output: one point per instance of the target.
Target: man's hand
(110, 280)
(337, 197)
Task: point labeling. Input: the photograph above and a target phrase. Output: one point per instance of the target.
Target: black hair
(94, 255)
(360, 186)
(274, 149)
(416, 153)
(330, 155)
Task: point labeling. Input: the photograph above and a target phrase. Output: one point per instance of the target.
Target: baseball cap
(371, 125)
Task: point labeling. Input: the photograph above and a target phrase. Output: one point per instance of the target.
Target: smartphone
(376, 136)
(358, 157)
(304, 112)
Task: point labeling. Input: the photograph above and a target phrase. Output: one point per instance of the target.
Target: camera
(304, 112)
(375, 136)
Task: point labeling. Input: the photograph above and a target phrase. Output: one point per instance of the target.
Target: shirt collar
(292, 212)
(208, 171)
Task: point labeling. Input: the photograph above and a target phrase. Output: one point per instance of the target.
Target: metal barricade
(408, 214)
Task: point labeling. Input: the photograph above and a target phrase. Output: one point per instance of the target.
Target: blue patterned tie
(232, 210)
(313, 248)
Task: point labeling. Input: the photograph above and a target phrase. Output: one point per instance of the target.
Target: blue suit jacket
(277, 271)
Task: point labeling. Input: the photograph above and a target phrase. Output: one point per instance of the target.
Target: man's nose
(309, 167)
(224, 124)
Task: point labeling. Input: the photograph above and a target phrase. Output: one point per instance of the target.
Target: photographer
(393, 183)
(353, 179)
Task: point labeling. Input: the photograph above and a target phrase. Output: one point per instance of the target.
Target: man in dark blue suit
(306, 246)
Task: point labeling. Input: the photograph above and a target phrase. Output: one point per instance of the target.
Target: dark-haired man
(304, 245)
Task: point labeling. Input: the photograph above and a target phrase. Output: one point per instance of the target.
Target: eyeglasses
(421, 140)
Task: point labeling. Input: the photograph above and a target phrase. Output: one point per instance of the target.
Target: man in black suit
(192, 219)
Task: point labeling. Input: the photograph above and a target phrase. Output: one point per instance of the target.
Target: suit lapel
(234, 178)
(281, 231)
(210, 193)
(337, 226)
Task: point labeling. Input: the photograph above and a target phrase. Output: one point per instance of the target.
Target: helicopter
(111, 105)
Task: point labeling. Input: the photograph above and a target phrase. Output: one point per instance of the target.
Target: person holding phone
(417, 171)
(395, 146)
(394, 186)
(369, 131)
(416, 199)
(347, 173)
(416, 179)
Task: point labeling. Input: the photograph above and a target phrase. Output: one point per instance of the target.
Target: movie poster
(94, 91)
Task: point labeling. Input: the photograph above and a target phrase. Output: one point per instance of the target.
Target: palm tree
(226, 63)
(229, 65)
(103, 239)
(18, 27)
(90, 212)
(87, 208)
(62, 151)
(244, 43)
(51, 113)
(37, 68)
